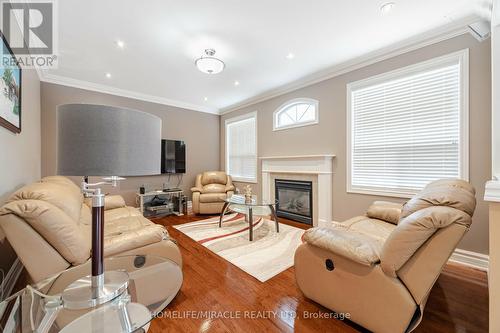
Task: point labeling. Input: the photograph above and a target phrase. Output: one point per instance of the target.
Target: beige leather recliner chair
(380, 268)
(48, 223)
(210, 190)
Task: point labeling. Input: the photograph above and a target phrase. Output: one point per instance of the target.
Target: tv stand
(171, 205)
(170, 190)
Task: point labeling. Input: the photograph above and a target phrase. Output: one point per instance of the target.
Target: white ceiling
(163, 39)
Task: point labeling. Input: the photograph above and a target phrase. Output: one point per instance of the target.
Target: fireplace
(294, 199)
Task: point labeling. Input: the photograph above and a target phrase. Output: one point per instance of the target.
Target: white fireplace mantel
(492, 191)
(305, 164)
(318, 166)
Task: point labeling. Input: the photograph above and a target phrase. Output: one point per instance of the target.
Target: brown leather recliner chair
(210, 190)
(380, 268)
(48, 223)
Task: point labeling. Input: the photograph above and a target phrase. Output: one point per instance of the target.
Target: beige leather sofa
(380, 268)
(210, 190)
(48, 223)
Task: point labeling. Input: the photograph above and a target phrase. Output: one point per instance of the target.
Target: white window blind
(241, 148)
(408, 128)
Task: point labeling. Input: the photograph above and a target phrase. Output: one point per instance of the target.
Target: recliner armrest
(347, 243)
(110, 202)
(113, 202)
(129, 240)
(230, 188)
(385, 211)
(196, 189)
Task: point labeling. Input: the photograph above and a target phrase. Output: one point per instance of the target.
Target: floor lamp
(98, 140)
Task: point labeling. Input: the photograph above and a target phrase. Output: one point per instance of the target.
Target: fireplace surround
(317, 169)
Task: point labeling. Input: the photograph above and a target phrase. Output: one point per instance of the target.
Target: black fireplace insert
(294, 200)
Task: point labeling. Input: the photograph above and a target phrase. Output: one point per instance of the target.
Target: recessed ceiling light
(236, 83)
(387, 7)
(205, 99)
(120, 44)
(290, 56)
(108, 75)
(209, 64)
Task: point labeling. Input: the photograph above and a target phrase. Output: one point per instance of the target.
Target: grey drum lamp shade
(99, 140)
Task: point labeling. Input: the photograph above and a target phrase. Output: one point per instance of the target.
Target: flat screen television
(173, 156)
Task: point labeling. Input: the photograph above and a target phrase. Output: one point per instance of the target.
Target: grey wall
(329, 136)
(20, 164)
(199, 130)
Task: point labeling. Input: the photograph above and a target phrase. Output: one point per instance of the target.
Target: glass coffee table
(153, 283)
(238, 204)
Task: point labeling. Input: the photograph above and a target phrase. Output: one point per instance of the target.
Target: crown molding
(86, 85)
(449, 31)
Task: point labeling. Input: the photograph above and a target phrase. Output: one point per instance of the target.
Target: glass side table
(153, 283)
(238, 204)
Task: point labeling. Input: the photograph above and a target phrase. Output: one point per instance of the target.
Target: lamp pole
(99, 287)
(97, 240)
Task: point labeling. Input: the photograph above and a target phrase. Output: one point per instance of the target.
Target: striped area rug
(269, 253)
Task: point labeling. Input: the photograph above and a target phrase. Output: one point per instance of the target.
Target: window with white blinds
(295, 113)
(241, 148)
(409, 127)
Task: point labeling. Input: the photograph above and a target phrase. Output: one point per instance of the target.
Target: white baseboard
(471, 259)
(10, 279)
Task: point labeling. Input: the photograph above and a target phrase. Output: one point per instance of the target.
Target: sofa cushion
(119, 213)
(67, 198)
(123, 220)
(109, 215)
(125, 224)
(374, 228)
(53, 225)
(133, 239)
(212, 197)
(385, 211)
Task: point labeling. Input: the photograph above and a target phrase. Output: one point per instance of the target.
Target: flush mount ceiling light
(209, 64)
(387, 7)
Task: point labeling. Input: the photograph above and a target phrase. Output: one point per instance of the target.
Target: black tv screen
(173, 156)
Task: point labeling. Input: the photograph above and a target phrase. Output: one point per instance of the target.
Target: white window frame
(233, 120)
(463, 57)
(291, 103)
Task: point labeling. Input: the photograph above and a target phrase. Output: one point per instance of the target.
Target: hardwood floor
(457, 303)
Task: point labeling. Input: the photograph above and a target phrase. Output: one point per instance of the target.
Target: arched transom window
(295, 113)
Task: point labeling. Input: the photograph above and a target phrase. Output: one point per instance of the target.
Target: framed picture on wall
(10, 88)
